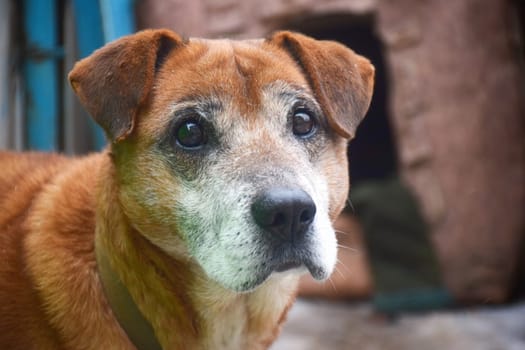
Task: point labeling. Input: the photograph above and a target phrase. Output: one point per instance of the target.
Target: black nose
(284, 212)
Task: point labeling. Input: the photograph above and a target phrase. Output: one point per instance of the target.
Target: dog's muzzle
(286, 214)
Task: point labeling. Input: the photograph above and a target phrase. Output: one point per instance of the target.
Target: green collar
(131, 320)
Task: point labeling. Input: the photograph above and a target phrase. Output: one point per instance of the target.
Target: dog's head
(231, 152)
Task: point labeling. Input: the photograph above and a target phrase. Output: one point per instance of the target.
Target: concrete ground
(315, 325)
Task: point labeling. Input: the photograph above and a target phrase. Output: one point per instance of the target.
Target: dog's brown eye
(190, 134)
(303, 123)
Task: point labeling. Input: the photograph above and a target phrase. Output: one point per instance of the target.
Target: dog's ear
(341, 80)
(115, 81)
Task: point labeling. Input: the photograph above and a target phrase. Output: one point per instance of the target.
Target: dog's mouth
(317, 272)
(294, 259)
(271, 261)
(289, 265)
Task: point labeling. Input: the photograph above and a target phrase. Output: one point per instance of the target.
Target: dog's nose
(286, 213)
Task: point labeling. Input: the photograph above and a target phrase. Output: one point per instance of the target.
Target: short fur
(152, 206)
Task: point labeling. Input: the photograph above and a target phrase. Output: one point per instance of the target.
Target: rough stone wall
(233, 18)
(457, 108)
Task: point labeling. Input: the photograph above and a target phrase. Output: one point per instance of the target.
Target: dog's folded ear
(341, 80)
(115, 81)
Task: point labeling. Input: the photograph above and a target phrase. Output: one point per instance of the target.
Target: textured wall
(457, 107)
(233, 18)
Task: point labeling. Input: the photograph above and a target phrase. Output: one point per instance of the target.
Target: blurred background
(433, 241)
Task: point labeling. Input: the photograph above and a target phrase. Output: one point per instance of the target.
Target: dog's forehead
(236, 70)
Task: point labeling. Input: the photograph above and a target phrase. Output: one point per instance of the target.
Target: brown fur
(54, 210)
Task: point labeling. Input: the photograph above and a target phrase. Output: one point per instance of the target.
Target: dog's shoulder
(46, 208)
(22, 177)
(39, 189)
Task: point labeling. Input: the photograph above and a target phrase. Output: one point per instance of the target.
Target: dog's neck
(130, 318)
(156, 283)
(185, 309)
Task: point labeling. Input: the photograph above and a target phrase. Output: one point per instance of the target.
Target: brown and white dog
(226, 167)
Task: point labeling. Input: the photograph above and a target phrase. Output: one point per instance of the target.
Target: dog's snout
(284, 212)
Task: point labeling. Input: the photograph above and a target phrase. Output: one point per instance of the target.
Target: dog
(225, 168)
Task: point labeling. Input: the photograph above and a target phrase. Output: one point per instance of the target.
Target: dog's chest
(228, 330)
(247, 321)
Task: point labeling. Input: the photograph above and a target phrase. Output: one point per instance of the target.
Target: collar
(127, 313)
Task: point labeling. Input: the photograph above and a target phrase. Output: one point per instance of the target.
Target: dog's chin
(318, 272)
(280, 269)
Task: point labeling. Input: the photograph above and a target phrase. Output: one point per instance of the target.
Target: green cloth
(403, 263)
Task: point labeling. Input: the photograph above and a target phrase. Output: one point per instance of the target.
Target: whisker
(351, 249)
(343, 276)
(342, 232)
(350, 205)
(342, 265)
(333, 285)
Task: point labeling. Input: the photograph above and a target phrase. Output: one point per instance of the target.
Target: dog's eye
(303, 123)
(190, 134)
